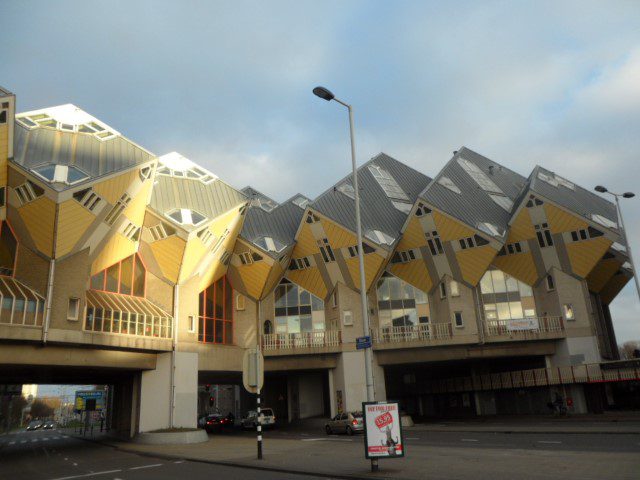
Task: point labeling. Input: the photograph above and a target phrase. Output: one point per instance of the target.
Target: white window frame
(191, 326)
(569, 312)
(551, 285)
(245, 258)
(455, 319)
(347, 318)
(158, 232)
(454, 288)
(443, 290)
(240, 302)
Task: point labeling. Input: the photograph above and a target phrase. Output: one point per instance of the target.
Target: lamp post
(368, 356)
(617, 196)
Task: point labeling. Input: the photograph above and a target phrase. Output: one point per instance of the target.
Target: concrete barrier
(172, 438)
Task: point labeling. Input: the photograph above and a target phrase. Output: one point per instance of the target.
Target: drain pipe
(481, 322)
(50, 277)
(174, 343)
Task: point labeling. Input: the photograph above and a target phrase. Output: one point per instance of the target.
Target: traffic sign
(363, 342)
(90, 400)
(252, 370)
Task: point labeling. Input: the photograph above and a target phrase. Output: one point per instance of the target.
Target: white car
(268, 419)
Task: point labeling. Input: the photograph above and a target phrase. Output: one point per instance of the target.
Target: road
(51, 455)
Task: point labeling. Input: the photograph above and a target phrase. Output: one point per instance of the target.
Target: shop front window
(400, 304)
(297, 310)
(506, 298)
(215, 319)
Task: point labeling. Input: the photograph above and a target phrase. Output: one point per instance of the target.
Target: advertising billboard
(383, 430)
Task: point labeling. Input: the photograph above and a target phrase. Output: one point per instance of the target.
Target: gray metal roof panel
(376, 208)
(473, 205)
(280, 223)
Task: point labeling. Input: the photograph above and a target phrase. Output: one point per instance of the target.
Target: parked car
(216, 422)
(348, 423)
(34, 425)
(49, 425)
(268, 418)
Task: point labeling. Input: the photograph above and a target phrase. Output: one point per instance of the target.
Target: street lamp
(617, 196)
(325, 94)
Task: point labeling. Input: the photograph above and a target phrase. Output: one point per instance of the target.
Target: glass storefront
(400, 304)
(297, 310)
(506, 298)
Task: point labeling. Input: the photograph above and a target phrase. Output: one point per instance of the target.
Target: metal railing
(281, 341)
(539, 377)
(524, 328)
(410, 333)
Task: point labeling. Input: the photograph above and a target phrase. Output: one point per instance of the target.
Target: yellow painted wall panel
(585, 255)
(338, 237)
(450, 229)
(117, 248)
(275, 276)
(613, 287)
(111, 190)
(413, 236)
(193, 254)
(474, 262)
(521, 228)
(372, 264)
(561, 221)
(306, 244)
(39, 218)
(4, 152)
(73, 222)
(254, 277)
(136, 209)
(414, 273)
(310, 279)
(520, 266)
(168, 252)
(602, 273)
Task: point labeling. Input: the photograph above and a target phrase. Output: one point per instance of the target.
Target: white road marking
(34, 440)
(468, 440)
(304, 434)
(12, 443)
(549, 441)
(179, 461)
(65, 436)
(56, 438)
(413, 438)
(314, 439)
(45, 439)
(75, 464)
(146, 466)
(92, 474)
(23, 441)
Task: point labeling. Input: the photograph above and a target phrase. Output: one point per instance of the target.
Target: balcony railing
(282, 341)
(410, 333)
(525, 328)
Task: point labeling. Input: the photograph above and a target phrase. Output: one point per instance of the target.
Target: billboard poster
(519, 324)
(92, 400)
(383, 430)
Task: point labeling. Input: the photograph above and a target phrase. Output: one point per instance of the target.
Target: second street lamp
(327, 95)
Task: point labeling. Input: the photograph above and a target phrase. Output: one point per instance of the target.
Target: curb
(168, 456)
(534, 432)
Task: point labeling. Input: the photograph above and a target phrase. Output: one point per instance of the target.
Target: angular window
(505, 298)
(400, 304)
(448, 183)
(297, 310)
(326, 251)
(270, 244)
(604, 221)
(489, 228)
(246, 258)
(568, 312)
(118, 208)
(403, 256)
(215, 320)
(550, 283)
(301, 201)
(422, 210)
(126, 277)
(353, 250)
(87, 198)
(481, 178)
(299, 263)
(28, 192)
(388, 183)
(543, 234)
(502, 200)
(347, 189)
(186, 216)
(162, 231)
(68, 174)
(434, 243)
(131, 231)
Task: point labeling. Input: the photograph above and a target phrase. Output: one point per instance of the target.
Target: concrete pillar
(348, 382)
(155, 393)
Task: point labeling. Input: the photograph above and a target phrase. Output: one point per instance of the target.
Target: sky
(228, 84)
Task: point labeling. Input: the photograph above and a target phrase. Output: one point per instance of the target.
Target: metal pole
(628, 245)
(368, 356)
(258, 420)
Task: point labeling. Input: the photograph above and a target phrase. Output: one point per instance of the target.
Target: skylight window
(270, 244)
(175, 165)
(388, 183)
(185, 216)
(347, 189)
(481, 178)
(551, 180)
(68, 174)
(490, 229)
(565, 183)
(301, 201)
(619, 247)
(556, 180)
(379, 237)
(402, 206)
(604, 221)
(503, 201)
(447, 183)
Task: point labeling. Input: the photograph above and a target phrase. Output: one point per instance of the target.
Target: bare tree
(629, 350)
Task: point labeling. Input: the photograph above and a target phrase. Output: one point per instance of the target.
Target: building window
(3, 116)
(126, 277)
(435, 245)
(334, 299)
(297, 310)
(443, 290)
(568, 312)
(240, 299)
(454, 288)
(311, 218)
(246, 258)
(400, 304)
(299, 263)
(403, 257)
(186, 216)
(161, 231)
(8, 249)
(550, 283)
(388, 183)
(131, 231)
(73, 309)
(326, 251)
(267, 327)
(585, 234)
(366, 248)
(192, 324)
(205, 236)
(87, 198)
(471, 242)
(117, 209)
(28, 192)
(215, 314)
(458, 320)
(544, 235)
(505, 298)
(422, 210)
(145, 173)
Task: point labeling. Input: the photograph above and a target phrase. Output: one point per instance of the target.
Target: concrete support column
(155, 393)
(348, 385)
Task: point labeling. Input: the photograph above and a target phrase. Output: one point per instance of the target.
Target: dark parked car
(216, 422)
(49, 425)
(348, 423)
(34, 425)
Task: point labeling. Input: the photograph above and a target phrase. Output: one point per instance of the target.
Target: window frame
(70, 317)
(456, 315)
(443, 290)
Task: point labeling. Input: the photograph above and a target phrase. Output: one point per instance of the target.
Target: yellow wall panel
(602, 273)
(561, 221)
(254, 277)
(306, 244)
(520, 266)
(414, 273)
(310, 279)
(4, 152)
(338, 237)
(136, 209)
(372, 264)
(585, 255)
(275, 276)
(73, 222)
(450, 229)
(521, 228)
(168, 253)
(613, 287)
(194, 252)
(39, 218)
(413, 236)
(117, 248)
(474, 262)
(111, 190)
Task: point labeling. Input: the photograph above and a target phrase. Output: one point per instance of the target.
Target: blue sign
(95, 398)
(363, 342)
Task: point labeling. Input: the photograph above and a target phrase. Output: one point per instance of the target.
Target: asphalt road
(51, 455)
